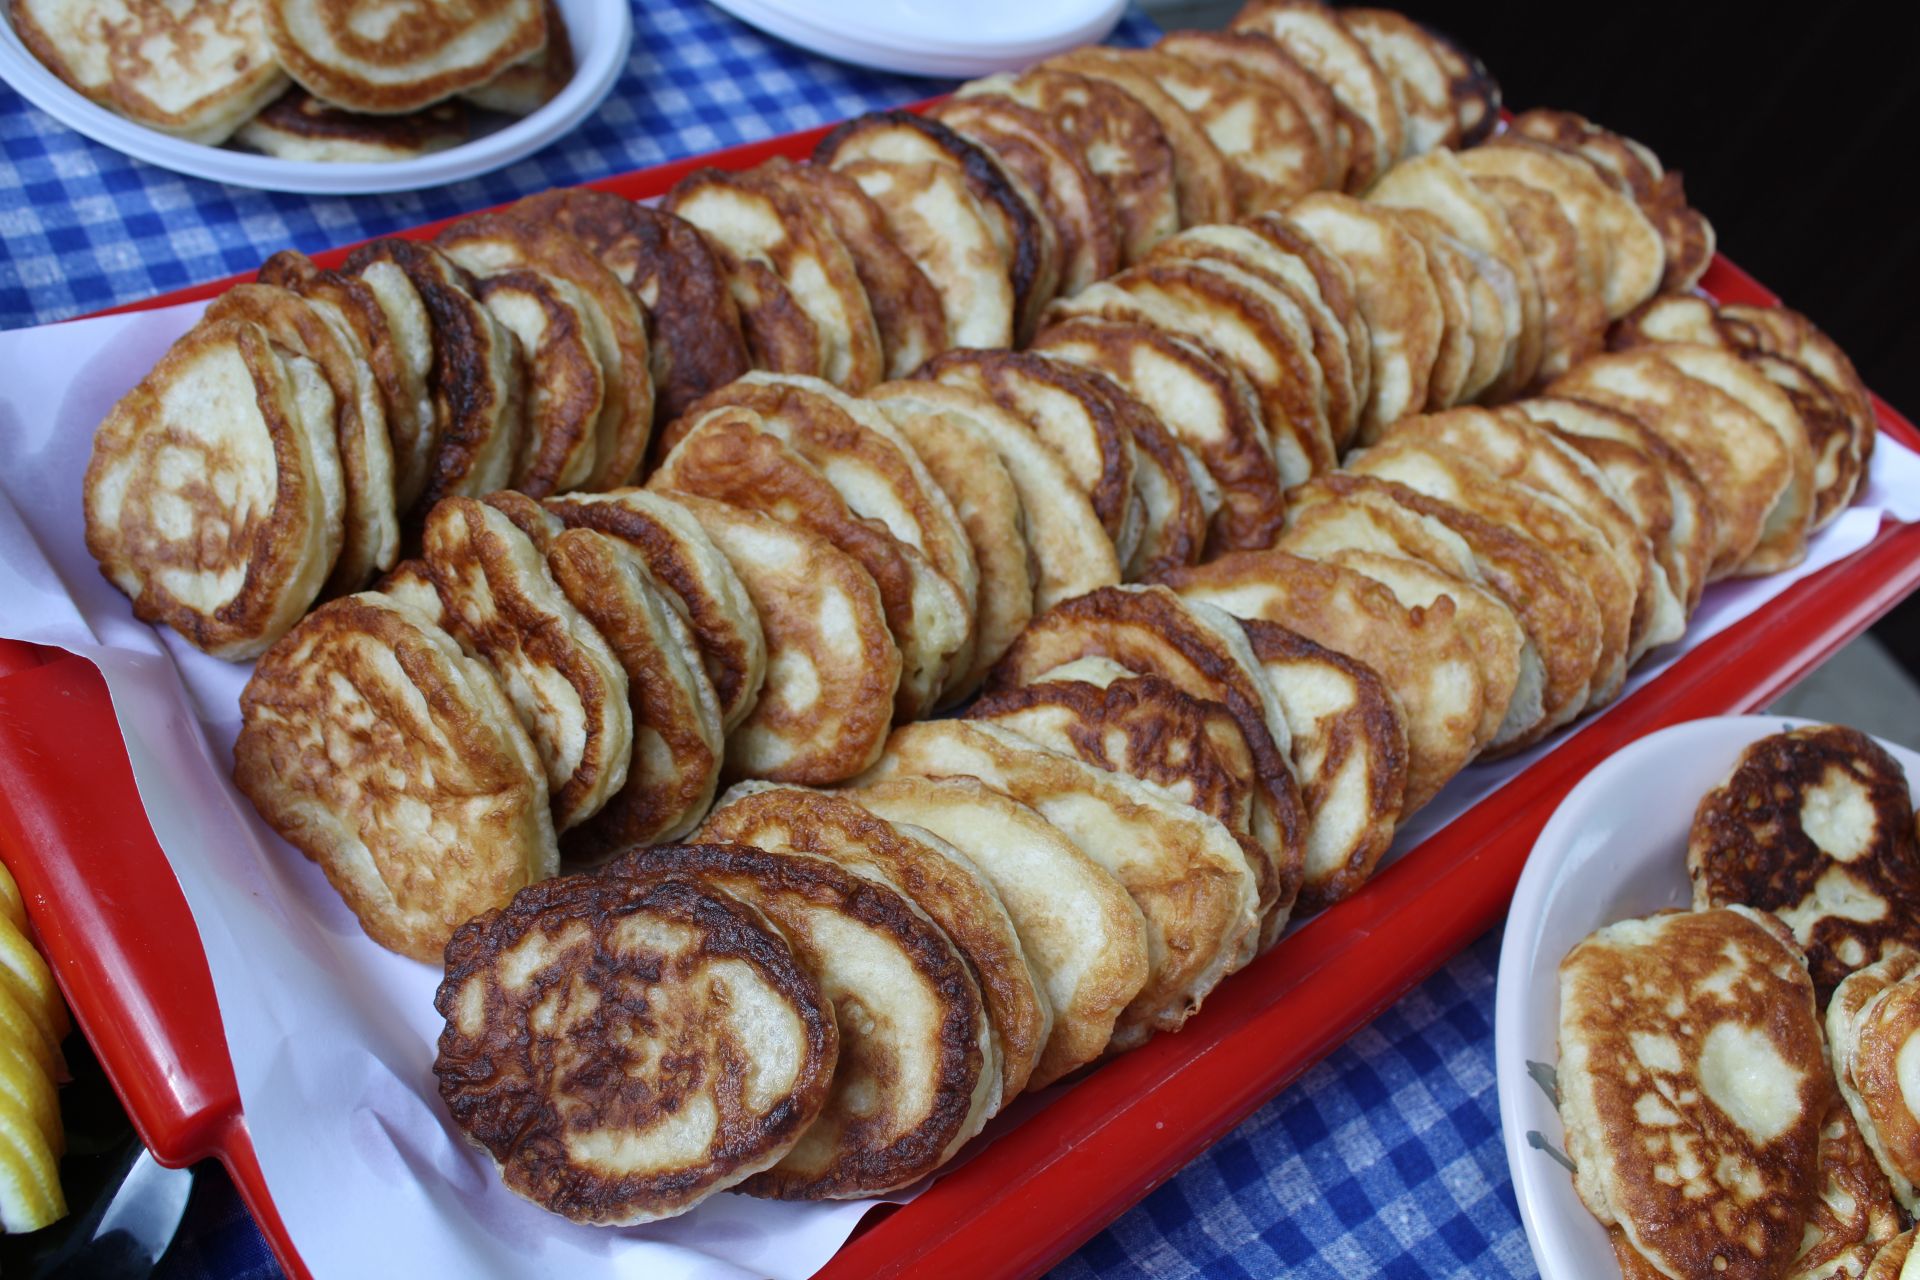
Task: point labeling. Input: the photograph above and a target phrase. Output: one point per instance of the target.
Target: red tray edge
(995, 1212)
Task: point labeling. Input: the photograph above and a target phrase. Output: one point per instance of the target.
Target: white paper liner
(332, 1037)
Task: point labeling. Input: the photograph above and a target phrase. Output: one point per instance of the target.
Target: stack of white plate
(933, 37)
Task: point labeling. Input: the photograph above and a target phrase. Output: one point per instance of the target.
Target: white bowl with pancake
(1615, 849)
(601, 31)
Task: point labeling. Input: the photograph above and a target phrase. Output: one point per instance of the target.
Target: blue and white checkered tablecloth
(1384, 1160)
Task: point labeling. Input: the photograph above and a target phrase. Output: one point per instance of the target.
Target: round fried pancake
(912, 1078)
(1207, 405)
(1065, 409)
(1513, 447)
(531, 83)
(934, 219)
(298, 126)
(698, 581)
(1238, 318)
(372, 541)
(966, 467)
(375, 747)
(1555, 607)
(678, 743)
(214, 497)
(540, 1063)
(489, 243)
(1573, 316)
(1743, 466)
(731, 456)
(1625, 246)
(1815, 825)
(1436, 182)
(1120, 140)
(1271, 151)
(563, 679)
(1070, 548)
(1409, 58)
(1182, 868)
(397, 351)
(937, 877)
(1202, 179)
(1286, 274)
(1650, 477)
(1789, 335)
(1025, 240)
(358, 57)
(1083, 937)
(1394, 292)
(906, 307)
(1542, 519)
(1870, 1020)
(1693, 1087)
(1470, 352)
(565, 386)
(195, 71)
(1311, 32)
(474, 376)
(1350, 752)
(1203, 653)
(1854, 1215)
(1475, 93)
(1145, 727)
(831, 666)
(1418, 652)
(1337, 290)
(1032, 147)
(1492, 632)
(694, 328)
(1260, 59)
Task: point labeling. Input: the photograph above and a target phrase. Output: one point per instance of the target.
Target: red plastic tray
(112, 920)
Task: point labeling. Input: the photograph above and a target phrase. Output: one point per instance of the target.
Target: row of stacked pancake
(302, 80)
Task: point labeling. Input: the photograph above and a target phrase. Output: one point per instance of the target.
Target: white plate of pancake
(1615, 849)
(600, 30)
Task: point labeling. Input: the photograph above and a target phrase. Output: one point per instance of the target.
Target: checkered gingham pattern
(1384, 1160)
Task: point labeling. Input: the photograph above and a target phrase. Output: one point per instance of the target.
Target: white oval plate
(600, 30)
(1615, 849)
(919, 38)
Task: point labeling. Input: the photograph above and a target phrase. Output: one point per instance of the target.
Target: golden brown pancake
(911, 1080)
(1694, 1087)
(1202, 178)
(1815, 826)
(1417, 652)
(1083, 936)
(1474, 91)
(678, 743)
(1270, 147)
(1072, 198)
(1573, 314)
(565, 385)
(1176, 495)
(493, 242)
(298, 327)
(298, 126)
(698, 580)
(1410, 60)
(1183, 869)
(1120, 140)
(831, 664)
(377, 749)
(1311, 32)
(1471, 350)
(259, 484)
(1071, 550)
(1350, 752)
(358, 57)
(567, 686)
(1394, 292)
(1781, 332)
(1891, 1259)
(1025, 240)
(694, 328)
(396, 358)
(934, 875)
(1206, 403)
(1854, 1216)
(474, 379)
(1145, 727)
(539, 1063)
(1260, 58)
(1871, 1020)
(1339, 292)
(531, 83)
(906, 307)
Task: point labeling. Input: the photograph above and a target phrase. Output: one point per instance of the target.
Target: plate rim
(594, 77)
